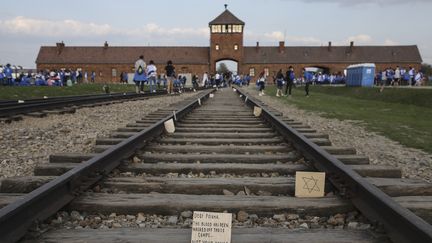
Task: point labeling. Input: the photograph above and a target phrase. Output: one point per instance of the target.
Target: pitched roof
(337, 54)
(226, 18)
(122, 55)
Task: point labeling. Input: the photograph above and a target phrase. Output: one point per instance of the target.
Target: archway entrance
(226, 66)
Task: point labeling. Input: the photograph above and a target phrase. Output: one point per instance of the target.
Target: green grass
(32, 92)
(403, 115)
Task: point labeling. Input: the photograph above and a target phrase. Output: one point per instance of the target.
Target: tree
(222, 68)
(426, 69)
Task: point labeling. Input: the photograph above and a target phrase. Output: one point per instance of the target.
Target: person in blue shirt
(140, 75)
(8, 74)
(308, 76)
(93, 76)
(290, 76)
(2, 77)
(25, 80)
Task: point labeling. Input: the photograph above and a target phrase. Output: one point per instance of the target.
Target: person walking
(205, 80)
(308, 76)
(93, 76)
(170, 76)
(261, 83)
(140, 76)
(397, 76)
(151, 74)
(279, 83)
(290, 76)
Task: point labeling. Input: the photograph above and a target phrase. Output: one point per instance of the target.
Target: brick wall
(226, 50)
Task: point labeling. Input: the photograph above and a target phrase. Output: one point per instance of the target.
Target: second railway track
(221, 158)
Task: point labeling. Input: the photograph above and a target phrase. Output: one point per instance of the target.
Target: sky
(25, 25)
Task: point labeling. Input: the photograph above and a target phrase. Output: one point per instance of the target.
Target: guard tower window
(237, 28)
(216, 28)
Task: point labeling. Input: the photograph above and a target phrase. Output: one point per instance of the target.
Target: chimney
(281, 46)
(351, 46)
(257, 46)
(329, 46)
(60, 46)
(106, 45)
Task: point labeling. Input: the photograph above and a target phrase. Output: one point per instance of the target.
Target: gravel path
(29, 142)
(414, 163)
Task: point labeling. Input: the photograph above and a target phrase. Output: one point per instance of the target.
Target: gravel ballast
(414, 163)
(27, 143)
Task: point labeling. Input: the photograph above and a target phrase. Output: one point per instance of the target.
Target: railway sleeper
(211, 184)
(240, 235)
(219, 158)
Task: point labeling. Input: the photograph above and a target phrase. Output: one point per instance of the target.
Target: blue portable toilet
(361, 75)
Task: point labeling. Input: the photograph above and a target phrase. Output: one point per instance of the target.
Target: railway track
(16, 110)
(221, 158)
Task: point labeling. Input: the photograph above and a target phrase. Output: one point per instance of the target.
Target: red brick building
(226, 43)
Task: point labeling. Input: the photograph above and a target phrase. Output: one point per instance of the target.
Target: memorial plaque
(211, 95)
(169, 126)
(210, 227)
(309, 184)
(257, 111)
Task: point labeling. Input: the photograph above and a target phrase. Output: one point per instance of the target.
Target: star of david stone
(310, 184)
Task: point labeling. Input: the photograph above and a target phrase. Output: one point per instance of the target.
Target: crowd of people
(63, 77)
(171, 82)
(286, 81)
(398, 76)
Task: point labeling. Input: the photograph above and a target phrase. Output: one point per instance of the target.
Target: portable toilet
(361, 75)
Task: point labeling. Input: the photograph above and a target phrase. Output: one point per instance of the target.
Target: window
(229, 28)
(237, 28)
(217, 47)
(114, 72)
(266, 71)
(216, 28)
(252, 72)
(224, 28)
(236, 47)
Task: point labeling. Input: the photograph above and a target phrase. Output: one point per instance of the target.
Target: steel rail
(46, 200)
(34, 107)
(4, 103)
(401, 224)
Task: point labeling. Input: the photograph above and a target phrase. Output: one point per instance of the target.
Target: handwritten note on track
(210, 227)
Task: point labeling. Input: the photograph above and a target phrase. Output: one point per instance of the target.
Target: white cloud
(71, 28)
(361, 39)
(38, 27)
(276, 36)
(390, 42)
